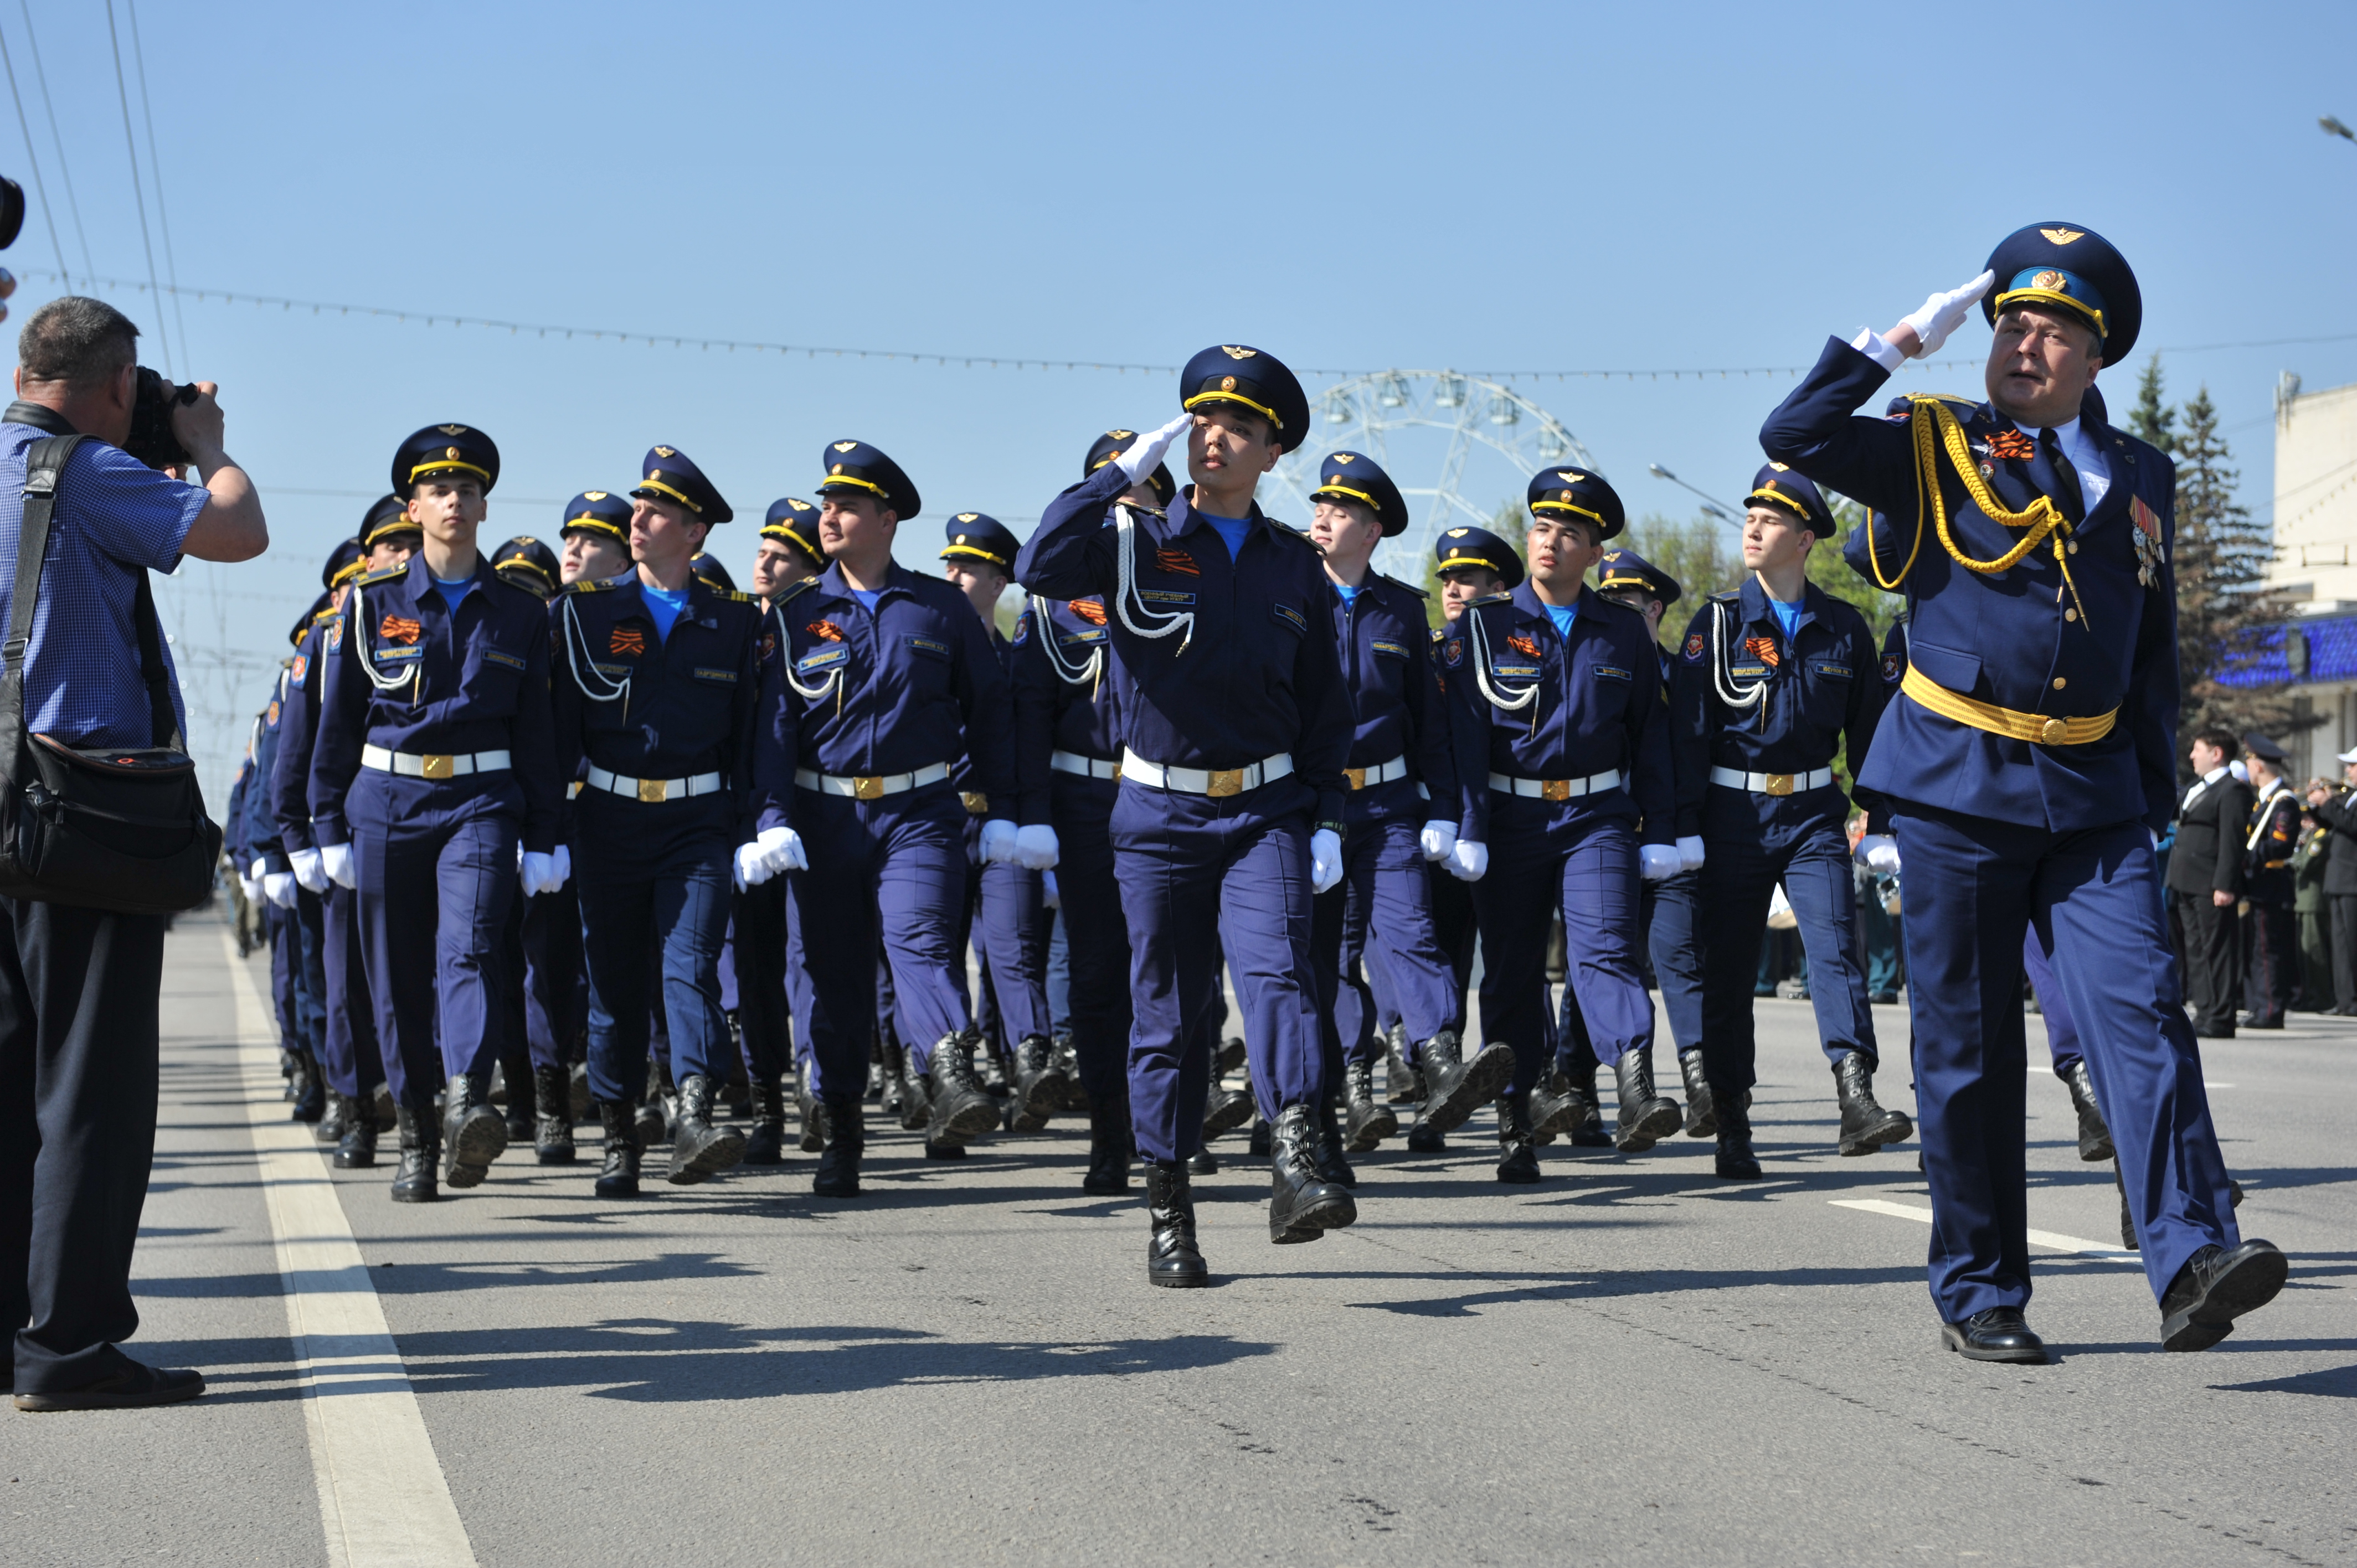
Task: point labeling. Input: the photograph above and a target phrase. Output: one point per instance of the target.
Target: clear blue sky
(1354, 185)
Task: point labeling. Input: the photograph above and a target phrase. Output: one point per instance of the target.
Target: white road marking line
(382, 1496)
(2078, 1245)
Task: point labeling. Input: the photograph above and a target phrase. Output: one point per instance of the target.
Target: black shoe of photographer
(1517, 1162)
(414, 1180)
(1702, 1117)
(618, 1177)
(552, 1124)
(1302, 1205)
(1370, 1121)
(473, 1134)
(1645, 1117)
(355, 1148)
(2215, 1287)
(699, 1150)
(1455, 1089)
(2095, 1134)
(138, 1387)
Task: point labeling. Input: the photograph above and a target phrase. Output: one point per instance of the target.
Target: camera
(11, 219)
(151, 440)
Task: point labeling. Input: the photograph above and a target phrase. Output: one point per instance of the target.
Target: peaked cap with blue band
(1563, 492)
(319, 606)
(793, 520)
(1112, 444)
(1626, 569)
(856, 466)
(1470, 546)
(1355, 477)
(387, 518)
(706, 565)
(525, 553)
(1251, 378)
(2074, 269)
(444, 451)
(976, 536)
(673, 476)
(345, 561)
(1776, 485)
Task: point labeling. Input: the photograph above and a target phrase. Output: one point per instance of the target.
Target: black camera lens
(12, 211)
(152, 440)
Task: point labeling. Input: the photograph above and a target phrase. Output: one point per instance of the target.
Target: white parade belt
(1381, 773)
(653, 790)
(437, 765)
(1215, 782)
(1772, 783)
(870, 785)
(1554, 788)
(1086, 766)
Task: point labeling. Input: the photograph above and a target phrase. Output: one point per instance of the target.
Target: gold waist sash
(2012, 722)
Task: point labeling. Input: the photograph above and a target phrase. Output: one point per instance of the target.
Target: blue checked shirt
(115, 517)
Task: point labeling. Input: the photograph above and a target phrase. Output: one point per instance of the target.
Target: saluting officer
(2031, 734)
(1401, 812)
(2270, 935)
(433, 756)
(657, 678)
(1236, 727)
(890, 679)
(1563, 751)
(1772, 680)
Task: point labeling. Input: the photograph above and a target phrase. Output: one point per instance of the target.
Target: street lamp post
(1710, 506)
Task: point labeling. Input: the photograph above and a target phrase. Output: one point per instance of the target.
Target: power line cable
(40, 186)
(65, 175)
(138, 192)
(155, 174)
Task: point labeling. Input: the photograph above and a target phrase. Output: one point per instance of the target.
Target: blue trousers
(1974, 888)
(1542, 859)
(308, 918)
(759, 948)
(655, 883)
(1739, 875)
(552, 999)
(1096, 934)
(1193, 869)
(434, 895)
(349, 1053)
(2061, 1034)
(1005, 921)
(894, 866)
(284, 961)
(1386, 886)
(1673, 938)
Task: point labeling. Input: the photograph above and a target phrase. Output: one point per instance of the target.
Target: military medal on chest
(2150, 556)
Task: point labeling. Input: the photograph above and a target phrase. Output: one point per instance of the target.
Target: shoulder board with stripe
(587, 586)
(1732, 595)
(735, 598)
(795, 590)
(387, 575)
(1408, 587)
(1501, 597)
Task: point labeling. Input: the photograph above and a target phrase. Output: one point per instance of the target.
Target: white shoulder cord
(1513, 704)
(1733, 693)
(830, 687)
(1126, 555)
(1086, 673)
(357, 630)
(2263, 811)
(583, 664)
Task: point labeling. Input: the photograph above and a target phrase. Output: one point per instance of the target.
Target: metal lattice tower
(1467, 434)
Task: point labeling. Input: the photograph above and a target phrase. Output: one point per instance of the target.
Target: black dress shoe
(618, 1177)
(943, 1151)
(2215, 1287)
(2094, 1136)
(1302, 1205)
(1202, 1163)
(1866, 1125)
(1455, 1089)
(1702, 1118)
(1172, 1258)
(1645, 1117)
(840, 1117)
(1517, 1162)
(1997, 1334)
(136, 1389)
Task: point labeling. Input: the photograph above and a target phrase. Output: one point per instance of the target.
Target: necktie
(2067, 493)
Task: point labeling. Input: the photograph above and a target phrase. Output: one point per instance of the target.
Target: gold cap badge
(1457, 534)
(2063, 236)
(845, 447)
(1227, 383)
(451, 453)
(665, 452)
(593, 495)
(1237, 353)
(452, 429)
(2051, 279)
(966, 517)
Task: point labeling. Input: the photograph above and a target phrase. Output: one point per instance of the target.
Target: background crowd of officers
(589, 831)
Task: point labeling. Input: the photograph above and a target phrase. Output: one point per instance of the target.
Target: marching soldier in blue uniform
(434, 757)
(1562, 752)
(540, 1101)
(788, 549)
(1401, 812)
(1770, 682)
(658, 713)
(1236, 727)
(595, 537)
(300, 934)
(2030, 766)
(891, 678)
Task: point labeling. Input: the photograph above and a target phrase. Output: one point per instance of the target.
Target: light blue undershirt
(1563, 616)
(1349, 595)
(665, 607)
(866, 596)
(1787, 615)
(452, 591)
(1230, 529)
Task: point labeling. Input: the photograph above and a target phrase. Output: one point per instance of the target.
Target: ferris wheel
(1477, 441)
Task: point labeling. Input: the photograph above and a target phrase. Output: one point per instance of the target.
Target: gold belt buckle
(2052, 731)
(1226, 781)
(1780, 783)
(438, 767)
(1357, 776)
(977, 804)
(1116, 772)
(653, 790)
(1554, 788)
(867, 786)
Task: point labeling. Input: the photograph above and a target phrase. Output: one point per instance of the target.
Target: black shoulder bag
(116, 827)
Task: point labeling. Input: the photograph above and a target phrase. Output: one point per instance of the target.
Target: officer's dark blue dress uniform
(299, 929)
(1760, 714)
(435, 755)
(2028, 762)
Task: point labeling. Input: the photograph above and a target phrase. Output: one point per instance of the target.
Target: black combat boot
(2095, 1134)
(877, 1076)
(1517, 1162)
(619, 1177)
(1224, 1109)
(1068, 1062)
(989, 1067)
(1256, 1142)
(1402, 1085)
(766, 1144)
(1302, 1205)
(1588, 1131)
(842, 1118)
(1645, 1117)
(960, 1110)
(700, 1151)
(1554, 1107)
(1865, 1126)
(1735, 1160)
(813, 1114)
(1040, 1089)
(337, 1119)
(1171, 1256)
(421, 1151)
(1331, 1164)
(473, 1134)
(310, 1086)
(552, 1128)
(1455, 1089)
(1702, 1116)
(653, 1122)
(516, 1074)
(355, 1150)
(893, 1099)
(1203, 1162)
(1231, 1056)
(1370, 1121)
(1109, 1153)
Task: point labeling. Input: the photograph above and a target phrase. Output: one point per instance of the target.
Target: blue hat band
(2052, 286)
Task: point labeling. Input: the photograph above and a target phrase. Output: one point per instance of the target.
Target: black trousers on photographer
(78, 1064)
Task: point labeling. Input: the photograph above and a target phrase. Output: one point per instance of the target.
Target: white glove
(539, 873)
(1437, 839)
(997, 841)
(336, 860)
(781, 851)
(1325, 859)
(1053, 895)
(1036, 848)
(750, 868)
(1944, 312)
(258, 869)
(307, 870)
(562, 862)
(279, 888)
(1689, 852)
(1469, 859)
(1146, 452)
(1656, 861)
(251, 888)
(1878, 851)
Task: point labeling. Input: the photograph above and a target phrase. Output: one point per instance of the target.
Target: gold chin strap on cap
(1934, 425)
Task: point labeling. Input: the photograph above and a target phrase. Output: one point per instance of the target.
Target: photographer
(78, 986)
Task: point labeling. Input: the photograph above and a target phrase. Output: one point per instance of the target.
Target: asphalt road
(1629, 1361)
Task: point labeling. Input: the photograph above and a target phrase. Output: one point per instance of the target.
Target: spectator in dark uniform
(2309, 862)
(2338, 814)
(2268, 839)
(2205, 881)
